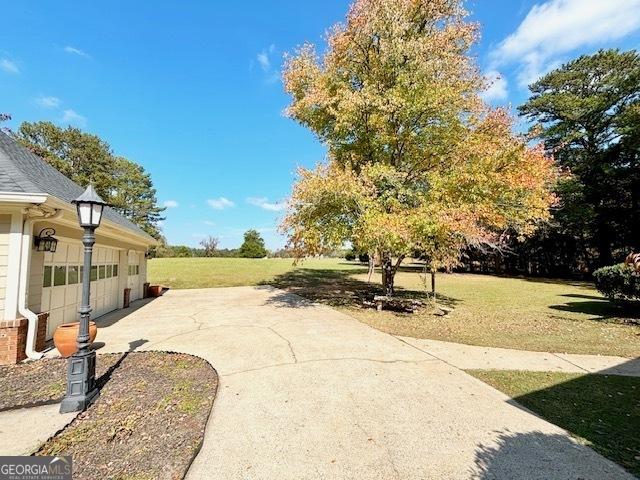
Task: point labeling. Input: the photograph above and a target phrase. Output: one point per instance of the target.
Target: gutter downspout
(25, 261)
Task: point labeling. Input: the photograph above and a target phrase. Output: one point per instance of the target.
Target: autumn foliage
(417, 162)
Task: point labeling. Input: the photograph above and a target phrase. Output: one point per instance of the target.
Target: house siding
(5, 228)
(34, 298)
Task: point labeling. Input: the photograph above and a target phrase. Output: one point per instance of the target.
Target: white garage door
(133, 280)
(62, 283)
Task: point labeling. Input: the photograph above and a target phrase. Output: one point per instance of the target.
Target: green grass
(225, 272)
(521, 313)
(600, 411)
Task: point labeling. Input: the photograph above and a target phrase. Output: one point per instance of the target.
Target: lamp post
(81, 366)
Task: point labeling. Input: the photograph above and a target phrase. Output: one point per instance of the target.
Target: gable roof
(22, 171)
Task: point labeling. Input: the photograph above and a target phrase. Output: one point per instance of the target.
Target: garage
(41, 254)
(62, 277)
(133, 273)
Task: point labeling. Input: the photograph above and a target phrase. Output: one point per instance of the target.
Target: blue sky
(191, 90)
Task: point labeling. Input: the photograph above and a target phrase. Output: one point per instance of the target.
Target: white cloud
(497, 89)
(220, 203)
(76, 51)
(557, 27)
(170, 203)
(9, 66)
(47, 101)
(264, 203)
(265, 60)
(210, 223)
(71, 117)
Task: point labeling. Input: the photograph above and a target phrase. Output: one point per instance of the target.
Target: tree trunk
(603, 242)
(634, 241)
(372, 265)
(433, 283)
(388, 274)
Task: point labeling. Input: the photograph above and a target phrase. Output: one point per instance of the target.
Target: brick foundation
(13, 341)
(41, 339)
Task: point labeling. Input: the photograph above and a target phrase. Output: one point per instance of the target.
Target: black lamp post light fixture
(45, 242)
(81, 366)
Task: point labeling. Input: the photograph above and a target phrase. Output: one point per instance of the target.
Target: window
(134, 269)
(73, 275)
(109, 271)
(115, 270)
(59, 275)
(94, 273)
(137, 269)
(101, 272)
(46, 280)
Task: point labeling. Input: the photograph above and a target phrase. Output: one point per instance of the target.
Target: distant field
(228, 272)
(521, 313)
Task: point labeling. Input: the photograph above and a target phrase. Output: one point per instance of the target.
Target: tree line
(587, 113)
(252, 247)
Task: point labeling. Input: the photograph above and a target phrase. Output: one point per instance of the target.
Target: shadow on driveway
(602, 410)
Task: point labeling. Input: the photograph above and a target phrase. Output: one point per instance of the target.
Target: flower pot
(155, 290)
(65, 338)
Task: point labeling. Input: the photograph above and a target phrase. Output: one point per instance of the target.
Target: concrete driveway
(307, 392)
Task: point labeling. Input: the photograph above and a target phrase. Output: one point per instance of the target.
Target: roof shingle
(22, 171)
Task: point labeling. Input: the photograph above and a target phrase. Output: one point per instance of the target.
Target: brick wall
(13, 338)
(41, 338)
(13, 341)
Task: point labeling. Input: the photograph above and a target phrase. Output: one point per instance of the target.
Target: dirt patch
(40, 382)
(148, 423)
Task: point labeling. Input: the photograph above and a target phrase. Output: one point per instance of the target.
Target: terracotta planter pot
(155, 290)
(66, 335)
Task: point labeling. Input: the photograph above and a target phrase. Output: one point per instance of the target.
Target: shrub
(350, 256)
(363, 257)
(618, 282)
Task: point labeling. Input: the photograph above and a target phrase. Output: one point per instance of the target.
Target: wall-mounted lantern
(45, 242)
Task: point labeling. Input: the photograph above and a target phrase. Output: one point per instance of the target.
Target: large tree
(253, 245)
(416, 162)
(587, 112)
(85, 158)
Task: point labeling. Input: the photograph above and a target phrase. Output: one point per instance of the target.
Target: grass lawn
(521, 313)
(227, 272)
(600, 411)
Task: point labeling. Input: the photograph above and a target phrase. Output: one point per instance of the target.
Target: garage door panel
(71, 295)
(45, 301)
(57, 297)
(73, 254)
(60, 255)
(62, 294)
(71, 314)
(56, 317)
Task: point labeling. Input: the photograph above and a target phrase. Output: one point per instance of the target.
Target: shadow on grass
(557, 281)
(337, 288)
(602, 409)
(601, 309)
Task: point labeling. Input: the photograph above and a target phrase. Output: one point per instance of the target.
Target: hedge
(618, 282)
